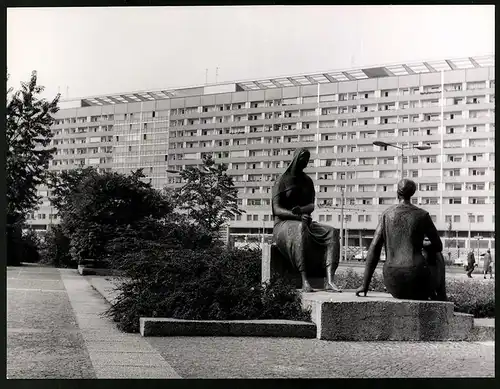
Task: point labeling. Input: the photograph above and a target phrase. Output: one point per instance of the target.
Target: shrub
(350, 279)
(55, 249)
(204, 284)
(30, 244)
(475, 298)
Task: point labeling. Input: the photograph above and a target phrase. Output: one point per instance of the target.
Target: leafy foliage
(208, 195)
(27, 133)
(205, 284)
(31, 244)
(55, 248)
(475, 298)
(94, 206)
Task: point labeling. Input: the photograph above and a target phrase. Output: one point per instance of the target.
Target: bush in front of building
(350, 279)
(55, 249)
(472, 296)
(210, 283)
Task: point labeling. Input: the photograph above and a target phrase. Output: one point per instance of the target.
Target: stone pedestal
(380, 317)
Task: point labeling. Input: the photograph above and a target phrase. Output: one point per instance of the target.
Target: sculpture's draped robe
(294, 237)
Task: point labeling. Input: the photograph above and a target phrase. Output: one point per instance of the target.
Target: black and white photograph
(250, 192)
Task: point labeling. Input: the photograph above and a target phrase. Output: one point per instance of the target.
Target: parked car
(361, 256)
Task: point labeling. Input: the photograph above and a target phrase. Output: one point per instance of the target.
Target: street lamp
(469, 216)
(402, 148)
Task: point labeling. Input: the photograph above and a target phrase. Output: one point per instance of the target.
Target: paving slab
(121, 346)
(134, 372)
(115, 358)
(226, 357)
(43, 339)
(113, 353)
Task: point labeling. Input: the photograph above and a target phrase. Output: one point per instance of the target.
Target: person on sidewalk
(488, 264)
(471, 264)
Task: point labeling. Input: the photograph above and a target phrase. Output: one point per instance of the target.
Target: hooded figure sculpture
(414, 269)
(305, 243)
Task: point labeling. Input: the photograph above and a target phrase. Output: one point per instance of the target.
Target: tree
(94, 206)
(208, 195)
(65, 182)
(28, 134)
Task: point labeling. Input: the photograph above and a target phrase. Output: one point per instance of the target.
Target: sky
(107, 50)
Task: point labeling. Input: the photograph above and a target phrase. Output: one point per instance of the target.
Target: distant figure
(307, 244)
(413, 269)
(471, 264)
(488, 264)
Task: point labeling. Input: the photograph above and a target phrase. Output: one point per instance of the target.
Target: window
(447, 218)
(434, 218)
(456, 218)
(480, 218)
(321, 218)
(328, 218)
(455, 200)
(361, 218)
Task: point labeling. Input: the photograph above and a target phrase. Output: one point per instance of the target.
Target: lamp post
(469, 216)
(342, 200)
(402, 148)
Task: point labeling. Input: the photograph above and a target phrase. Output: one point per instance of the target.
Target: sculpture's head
(406, 189)
(301, 159)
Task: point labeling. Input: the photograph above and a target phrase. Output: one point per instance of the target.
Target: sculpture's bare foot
(306, 288)
(331, 287)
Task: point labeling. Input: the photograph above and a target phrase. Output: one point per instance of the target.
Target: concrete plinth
(380, 317)
(259, 328)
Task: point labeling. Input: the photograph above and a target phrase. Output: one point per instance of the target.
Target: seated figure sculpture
(300, 240)
(414, 268)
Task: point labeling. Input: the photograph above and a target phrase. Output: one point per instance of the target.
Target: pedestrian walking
(471, 264)
(488, 264)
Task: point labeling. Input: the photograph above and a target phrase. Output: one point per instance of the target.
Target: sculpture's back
(413, 270)
(407, 271)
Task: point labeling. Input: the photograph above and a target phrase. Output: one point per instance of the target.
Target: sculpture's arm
(307, 209)
(373, 257)
(283, 213)
(431, 232)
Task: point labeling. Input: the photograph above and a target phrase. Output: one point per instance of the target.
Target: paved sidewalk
(43, 338)
(113, 353)
(55, 329)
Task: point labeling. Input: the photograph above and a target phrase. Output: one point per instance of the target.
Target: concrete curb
(91, 271)
(483, 330)
(105, 288)
(259, 328)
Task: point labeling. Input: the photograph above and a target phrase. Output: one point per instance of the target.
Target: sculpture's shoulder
(309, 180)
(407, 208)
(390, 211)
(420, 212)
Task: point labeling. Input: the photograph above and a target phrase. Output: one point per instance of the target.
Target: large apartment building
(254, 127)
